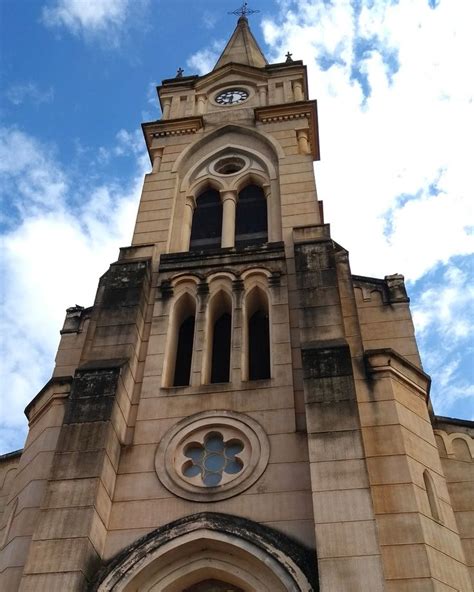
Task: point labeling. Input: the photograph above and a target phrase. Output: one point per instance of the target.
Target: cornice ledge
(290, 111)
(285, 111)
(57, 387)
(388, 360)
(173, 127)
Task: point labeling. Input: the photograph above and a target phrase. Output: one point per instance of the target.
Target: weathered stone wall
(455, 439)
(345, 459)
(27, 488)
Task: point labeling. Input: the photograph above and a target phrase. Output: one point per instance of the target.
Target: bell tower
(237, 411)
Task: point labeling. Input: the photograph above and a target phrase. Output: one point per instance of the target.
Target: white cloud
(396, 112)
(103, 19)
(447, 306)
(209, 19)
(27, 175)
(74, 234)
(203, 61)
(29, 92)
(414, 130)
(126, 144)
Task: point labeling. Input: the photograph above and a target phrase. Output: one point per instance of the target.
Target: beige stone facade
(330, 472)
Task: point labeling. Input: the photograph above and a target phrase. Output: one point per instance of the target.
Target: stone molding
(448, 440)
(170, 127)
(291, 562)
(232, 425)
(291, 111)
(57, 387)
(387, 360)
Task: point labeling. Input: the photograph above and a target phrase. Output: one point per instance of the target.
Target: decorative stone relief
(212, 455)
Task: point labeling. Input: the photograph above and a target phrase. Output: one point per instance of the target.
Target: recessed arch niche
(221, 158)
(215, 547)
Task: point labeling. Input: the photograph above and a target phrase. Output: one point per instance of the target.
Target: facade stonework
(237, 411)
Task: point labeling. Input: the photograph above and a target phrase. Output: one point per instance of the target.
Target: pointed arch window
(220, 338)
(181, 342)
(251, 225)
(258, 336)
(184, 352)
(431, 494)
(206, 228)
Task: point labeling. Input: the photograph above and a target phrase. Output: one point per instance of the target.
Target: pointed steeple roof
(242, 48)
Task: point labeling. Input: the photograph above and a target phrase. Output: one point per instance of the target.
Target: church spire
(242, 48)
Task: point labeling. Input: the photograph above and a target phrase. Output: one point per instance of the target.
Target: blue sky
(394, 85)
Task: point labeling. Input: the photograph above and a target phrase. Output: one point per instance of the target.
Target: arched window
(431, 493)
(258, 336)
(207, 222)
(180, 348)
(184, 352)
(220, 369)
(219, 338)
(251, 226)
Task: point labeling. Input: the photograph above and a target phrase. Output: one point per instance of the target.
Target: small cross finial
(179, 73)
(289, 57)
(243, 11)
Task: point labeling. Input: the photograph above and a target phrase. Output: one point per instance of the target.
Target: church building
(237, 411)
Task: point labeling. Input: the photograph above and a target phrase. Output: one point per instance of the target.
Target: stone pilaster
(346, 538)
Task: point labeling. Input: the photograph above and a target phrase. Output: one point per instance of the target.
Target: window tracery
(213, 458)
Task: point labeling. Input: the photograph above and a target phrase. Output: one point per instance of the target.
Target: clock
(232, 96)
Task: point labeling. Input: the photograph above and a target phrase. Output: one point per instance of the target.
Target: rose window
(211, 459)
(212, 455)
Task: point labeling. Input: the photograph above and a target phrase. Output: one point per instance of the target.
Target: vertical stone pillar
(346, 538)
(262, 92)
(157, 157)
(69, 537)
(166, 107)
(419, 540)
(198, 370)
(229, 200)
(200, 104)
(303, 141)
(298, 90)
(189, 207)
(237, 332)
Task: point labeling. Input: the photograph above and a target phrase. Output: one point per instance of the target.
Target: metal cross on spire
(243, 11)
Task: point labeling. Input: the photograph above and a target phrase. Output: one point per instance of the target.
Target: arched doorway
(211, 552)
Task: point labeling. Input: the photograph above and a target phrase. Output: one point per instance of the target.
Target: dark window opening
(184, 353)
(259, 346)
(221, 349)
(207, 222)
(251, 226)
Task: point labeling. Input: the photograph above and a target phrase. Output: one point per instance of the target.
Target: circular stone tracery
(212, 455)
(213, 459)
(228, 165)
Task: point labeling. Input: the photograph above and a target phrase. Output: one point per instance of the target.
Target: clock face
(232, 96)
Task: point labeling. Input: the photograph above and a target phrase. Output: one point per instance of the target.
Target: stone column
(201, 104)
(298, 90)
(229, 200)
(344, 517)
(188, 221)
(166, 107)
(262, 91)
(157, 157)
(303, 141)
